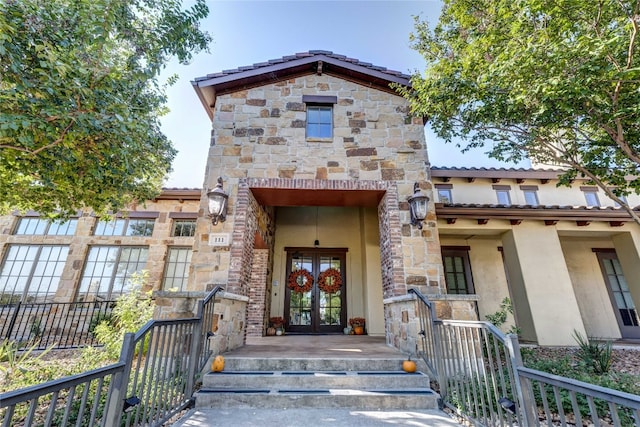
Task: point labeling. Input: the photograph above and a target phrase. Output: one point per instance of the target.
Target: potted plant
(277, 323)
(357, 325)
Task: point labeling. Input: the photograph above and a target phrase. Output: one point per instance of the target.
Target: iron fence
(153, 380)
(480, 376)
(51, 324)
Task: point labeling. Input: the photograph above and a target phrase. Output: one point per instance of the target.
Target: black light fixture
(418, 206)
(217, 203)
(507, 404)
(130, 403)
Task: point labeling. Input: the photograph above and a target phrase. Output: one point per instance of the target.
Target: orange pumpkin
(409, 366)
(218, 364)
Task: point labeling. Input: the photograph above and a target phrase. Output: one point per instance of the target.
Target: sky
(247, 32)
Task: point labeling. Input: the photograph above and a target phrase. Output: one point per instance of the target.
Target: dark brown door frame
(316, 327)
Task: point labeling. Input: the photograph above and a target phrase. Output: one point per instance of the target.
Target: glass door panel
(315, 291)
(623, 304)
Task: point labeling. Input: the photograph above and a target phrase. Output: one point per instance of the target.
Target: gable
(318, 62)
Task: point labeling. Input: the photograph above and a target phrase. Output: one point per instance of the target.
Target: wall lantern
(217, 203)
(130, 403)
(418, 206)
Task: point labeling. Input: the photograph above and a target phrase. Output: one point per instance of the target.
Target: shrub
(595, 355)
(500, 317)
(131, 312)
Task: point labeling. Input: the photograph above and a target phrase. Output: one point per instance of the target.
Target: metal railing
(153, 380)
(52, 324)
(480, 375)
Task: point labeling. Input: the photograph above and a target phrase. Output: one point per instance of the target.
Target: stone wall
(79, 244)
(259, 139)
(229, 322)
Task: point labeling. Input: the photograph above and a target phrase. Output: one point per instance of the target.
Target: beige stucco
(589, 286)
(481, 191)
(351, 228)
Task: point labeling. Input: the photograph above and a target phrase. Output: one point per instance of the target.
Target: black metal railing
(153, 380)
(52, 324)
(481, 377)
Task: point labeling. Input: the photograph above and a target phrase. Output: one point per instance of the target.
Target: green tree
(553, 80)
(80, 99)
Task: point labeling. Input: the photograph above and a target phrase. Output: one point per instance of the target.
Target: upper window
(444, 193)
(184, 228)
(36, 225)
(125, 227)
(502, 193)
(319, 115)
(319, 121)
(457, 270)
(591, 196)
(530, 194)
(30, 271)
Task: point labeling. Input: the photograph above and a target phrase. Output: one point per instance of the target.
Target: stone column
(544, 298)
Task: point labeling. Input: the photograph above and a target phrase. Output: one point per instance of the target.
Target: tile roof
(300, 55)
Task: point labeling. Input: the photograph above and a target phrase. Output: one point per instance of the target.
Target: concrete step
(311, 364)
(329, 417)
(356, 380)
(369, 399)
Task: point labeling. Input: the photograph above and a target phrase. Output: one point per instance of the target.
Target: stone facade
(182, 204)
(259, 140)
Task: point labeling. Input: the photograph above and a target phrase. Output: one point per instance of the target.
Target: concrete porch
(338, 380)
(317, 347)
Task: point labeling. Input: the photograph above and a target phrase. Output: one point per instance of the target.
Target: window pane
(110, 228)
(177, 268)
(184, 228)
(31, 226)
(444, 195)
(140, 227)
(503, 197)
(319, 121)
(31, 269)
(592, 198)
(531, 198)
(67, 228)
(457, 271)
(107, 271)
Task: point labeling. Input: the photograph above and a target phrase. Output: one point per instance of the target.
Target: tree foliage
(80, 99)
(556, 81)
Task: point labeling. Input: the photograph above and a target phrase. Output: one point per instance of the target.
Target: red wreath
(330, 286)
(294, 284)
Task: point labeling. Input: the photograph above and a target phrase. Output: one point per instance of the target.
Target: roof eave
(208, 88)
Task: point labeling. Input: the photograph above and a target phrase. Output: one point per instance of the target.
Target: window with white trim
(107, 271)
(591, 196)
(444, 193)
(503, 194)
(530, 194)
(31, 272)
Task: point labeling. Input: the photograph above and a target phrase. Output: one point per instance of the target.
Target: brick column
(256, 309)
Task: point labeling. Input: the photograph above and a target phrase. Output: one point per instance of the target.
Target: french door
(315, 290)
(624, 307)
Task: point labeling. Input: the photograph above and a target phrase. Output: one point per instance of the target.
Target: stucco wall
(481, 191)
(589, 286)
(337, 228)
